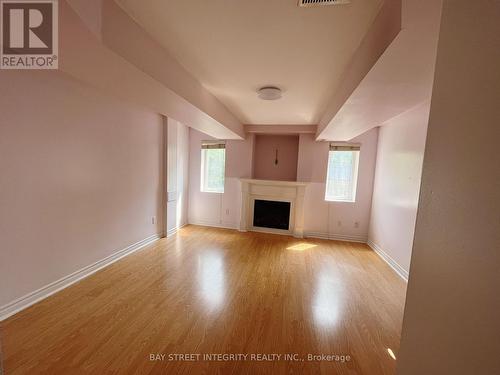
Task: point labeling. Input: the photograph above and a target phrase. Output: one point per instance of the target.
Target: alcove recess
(275, 157)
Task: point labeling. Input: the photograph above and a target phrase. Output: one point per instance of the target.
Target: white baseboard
(391, 262)
(337, 237)
(206, 223)
(325, 236)
(173, 231)
(21, 303)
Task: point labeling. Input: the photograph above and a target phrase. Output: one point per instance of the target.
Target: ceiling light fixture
(312, 3)
(269, 93)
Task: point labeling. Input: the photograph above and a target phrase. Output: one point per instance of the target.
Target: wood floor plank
(217, 291)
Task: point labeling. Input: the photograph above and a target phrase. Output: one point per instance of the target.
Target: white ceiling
(235, 47)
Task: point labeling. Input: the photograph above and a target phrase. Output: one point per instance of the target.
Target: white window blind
(342, 173)
(213, 165)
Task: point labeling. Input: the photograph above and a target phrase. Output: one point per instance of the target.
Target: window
(213, 165)
(342, 174)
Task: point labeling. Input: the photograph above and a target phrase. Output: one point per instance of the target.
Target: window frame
(355, 149)
(206, 146)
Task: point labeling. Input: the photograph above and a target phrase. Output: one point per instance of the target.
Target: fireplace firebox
(271, 214)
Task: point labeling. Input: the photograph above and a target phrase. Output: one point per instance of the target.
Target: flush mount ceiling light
(312, 3)
(269, 93)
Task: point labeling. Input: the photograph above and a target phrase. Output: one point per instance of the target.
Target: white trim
(171, 232)
(320, 235)
(208, 223)
(387, 258)
(174, 230)
(291, 215)
(284, 191)
(273, 182)
(29, 299)
(336, 237)
(282, 232)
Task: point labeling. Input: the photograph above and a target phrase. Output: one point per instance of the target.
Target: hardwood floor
(219, 291)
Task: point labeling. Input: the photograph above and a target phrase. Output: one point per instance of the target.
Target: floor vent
(313, 3)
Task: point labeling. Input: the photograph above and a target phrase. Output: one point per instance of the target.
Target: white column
(298, 230)
(244, 206)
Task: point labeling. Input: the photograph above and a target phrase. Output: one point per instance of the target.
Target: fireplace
(272, 206)
(271, 214)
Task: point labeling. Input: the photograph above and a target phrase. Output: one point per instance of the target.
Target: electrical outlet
(339, 223)
(153, 219)
(227, 212)
(356, 224)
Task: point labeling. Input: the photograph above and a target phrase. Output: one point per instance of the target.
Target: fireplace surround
(291, 192)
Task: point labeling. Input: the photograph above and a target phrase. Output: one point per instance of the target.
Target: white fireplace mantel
(285, 191)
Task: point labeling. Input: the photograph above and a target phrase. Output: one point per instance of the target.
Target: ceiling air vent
(313, 3)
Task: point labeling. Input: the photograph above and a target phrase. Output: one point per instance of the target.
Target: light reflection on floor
(301, 246)
(391, 353)
(211, 279)
(326, 300)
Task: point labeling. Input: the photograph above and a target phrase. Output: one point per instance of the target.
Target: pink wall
(340, 220)
(321, 218)
(451, 323)
(81, 178)
(396, 189)
(264, 167)
(216, 209)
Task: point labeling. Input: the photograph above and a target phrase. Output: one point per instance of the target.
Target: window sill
(212, 192)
